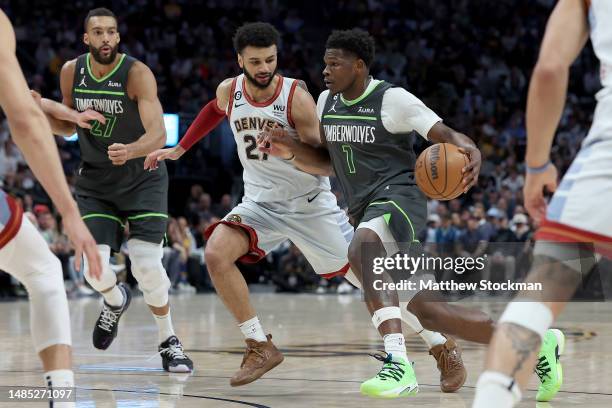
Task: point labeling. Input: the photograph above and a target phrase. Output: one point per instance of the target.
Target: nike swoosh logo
(310, 199)
(237, 106)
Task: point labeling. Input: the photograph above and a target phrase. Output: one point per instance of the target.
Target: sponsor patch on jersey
(234, 218)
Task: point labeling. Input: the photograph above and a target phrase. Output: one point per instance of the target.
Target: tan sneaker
(452, 371)
(259, 358)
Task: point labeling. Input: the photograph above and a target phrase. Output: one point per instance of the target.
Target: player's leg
(243, 235)
(145, 249)
(513, 351)
(27, 257)
(106, 226)
(559, 265)
(464, 322)
(396, 377)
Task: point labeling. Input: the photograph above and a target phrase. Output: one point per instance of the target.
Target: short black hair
(355, 41)
(98, 12)
(260, 35)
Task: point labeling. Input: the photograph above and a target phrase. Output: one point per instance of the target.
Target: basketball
(438, 171)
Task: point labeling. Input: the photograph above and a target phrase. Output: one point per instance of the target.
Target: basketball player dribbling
(574, 226)
(280, 201)
(112, 186)
(376, 175)
(23, 252)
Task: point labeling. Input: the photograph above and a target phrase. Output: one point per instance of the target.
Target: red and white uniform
(280, 201)
(580, 208)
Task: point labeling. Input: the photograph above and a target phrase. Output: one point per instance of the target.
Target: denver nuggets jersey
(600, 15)
(267, 178)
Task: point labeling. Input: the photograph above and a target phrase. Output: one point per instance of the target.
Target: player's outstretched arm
(211, 115)
(142, 87)
(62, 118)
(308, 153)
(440, 133)
(32, 134)
(565, 36)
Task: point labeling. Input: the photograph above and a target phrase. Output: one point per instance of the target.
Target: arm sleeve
(321, 103)
(402, 112)
(207, 120)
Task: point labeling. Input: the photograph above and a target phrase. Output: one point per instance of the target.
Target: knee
(46, 281)
(215, 258)
(354, 254)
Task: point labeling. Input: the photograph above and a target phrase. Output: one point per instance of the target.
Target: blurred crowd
(468, 61)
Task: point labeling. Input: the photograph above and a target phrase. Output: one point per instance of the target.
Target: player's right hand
(152, 160)
(89, 115)
(83, 243)
(533, 191)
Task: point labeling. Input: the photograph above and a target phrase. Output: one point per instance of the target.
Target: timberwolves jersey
(107, 95)
(600, 15)
(366, 157)
(266, 178)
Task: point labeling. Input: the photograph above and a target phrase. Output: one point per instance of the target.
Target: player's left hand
(118, 153)
(472, 170)
(275, 141)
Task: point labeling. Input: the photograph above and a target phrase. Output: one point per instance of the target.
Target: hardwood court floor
(325, 339)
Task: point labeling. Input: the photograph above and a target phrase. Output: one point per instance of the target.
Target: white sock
(252, 329)
(395, 345)
(164, 327)
(114, 297)
(60, 379)
(431, 338)
(498, 387)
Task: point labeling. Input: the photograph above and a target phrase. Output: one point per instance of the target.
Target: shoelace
(175, 351)
(446, 362)
(390, 368)
(108, 318)
(250, 351)
(542, 369)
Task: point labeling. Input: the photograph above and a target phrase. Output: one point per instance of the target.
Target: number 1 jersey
(267, 178)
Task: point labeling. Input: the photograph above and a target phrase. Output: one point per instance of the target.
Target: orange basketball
(438, 171)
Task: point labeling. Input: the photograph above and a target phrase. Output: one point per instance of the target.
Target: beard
(100, 59)
(254, 80)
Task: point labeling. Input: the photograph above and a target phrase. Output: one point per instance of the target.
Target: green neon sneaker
(549, 369)
(395, 379)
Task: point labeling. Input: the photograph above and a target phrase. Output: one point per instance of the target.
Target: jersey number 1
(349, 158)
(103, 130)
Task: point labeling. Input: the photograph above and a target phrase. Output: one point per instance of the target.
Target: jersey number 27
(103, 130)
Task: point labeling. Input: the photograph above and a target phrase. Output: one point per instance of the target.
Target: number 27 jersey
(267, 178)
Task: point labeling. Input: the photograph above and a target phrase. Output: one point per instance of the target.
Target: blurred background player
(112, 186)
(575, 221)
(23, 252)
(281, 202)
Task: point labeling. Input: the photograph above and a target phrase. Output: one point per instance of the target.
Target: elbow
(328, 171)
(548, 71)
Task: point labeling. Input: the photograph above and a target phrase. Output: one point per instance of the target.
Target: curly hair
(258, 34)
(356, 41)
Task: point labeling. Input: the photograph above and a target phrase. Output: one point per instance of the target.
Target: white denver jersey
(267, 178)
(600, 18)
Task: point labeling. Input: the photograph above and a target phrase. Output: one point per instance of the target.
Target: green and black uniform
(109, 196)
(374, 166)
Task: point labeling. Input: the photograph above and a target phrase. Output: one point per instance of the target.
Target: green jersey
(107, 95)
(369, 151)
